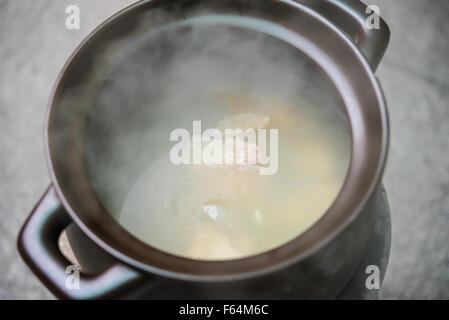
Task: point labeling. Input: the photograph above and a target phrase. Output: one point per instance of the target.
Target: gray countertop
(34, 45)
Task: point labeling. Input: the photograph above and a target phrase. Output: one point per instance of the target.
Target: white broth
(223, 212)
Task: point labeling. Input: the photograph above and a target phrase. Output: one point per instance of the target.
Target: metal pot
(316, 264)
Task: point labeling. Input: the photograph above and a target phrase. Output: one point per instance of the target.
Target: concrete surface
(34, 44)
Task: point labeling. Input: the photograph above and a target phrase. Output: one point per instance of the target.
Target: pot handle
(351, 17)
(38, 246)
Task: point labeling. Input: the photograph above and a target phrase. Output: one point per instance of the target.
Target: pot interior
(207, 71)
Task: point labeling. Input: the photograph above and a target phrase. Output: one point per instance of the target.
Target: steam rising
(155, 80)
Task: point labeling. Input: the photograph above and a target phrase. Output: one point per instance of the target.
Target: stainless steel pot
(316, 264)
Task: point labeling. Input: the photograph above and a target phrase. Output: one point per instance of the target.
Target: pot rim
(269, 264)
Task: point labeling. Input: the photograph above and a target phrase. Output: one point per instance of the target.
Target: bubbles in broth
(216, 212)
